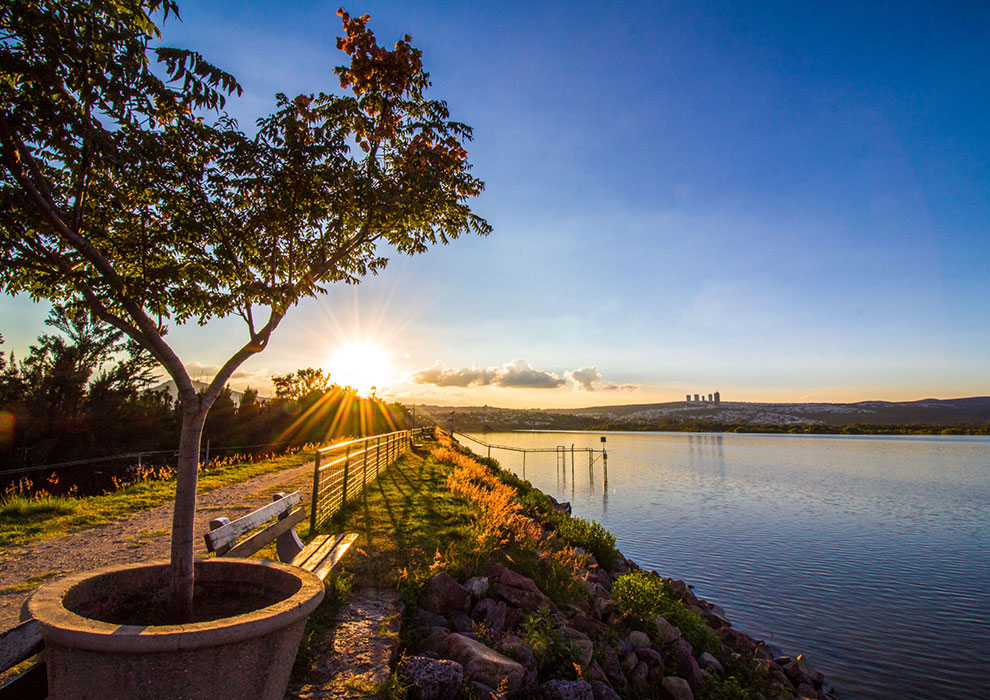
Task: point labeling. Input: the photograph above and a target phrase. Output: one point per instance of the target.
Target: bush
(555, 657)
(591, 536)
(642, 595)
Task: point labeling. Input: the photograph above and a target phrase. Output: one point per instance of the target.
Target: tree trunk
(181, 578)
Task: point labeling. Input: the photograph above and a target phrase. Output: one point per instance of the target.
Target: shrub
(555, 657)
(591, 536)
(642, 595)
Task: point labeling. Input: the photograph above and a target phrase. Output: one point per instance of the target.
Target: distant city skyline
(786, 202)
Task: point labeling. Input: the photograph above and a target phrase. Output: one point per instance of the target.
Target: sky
(780, 201)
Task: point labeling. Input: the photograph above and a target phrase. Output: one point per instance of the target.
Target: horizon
(786, 203)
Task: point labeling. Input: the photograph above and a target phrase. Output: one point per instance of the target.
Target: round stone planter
(245, 656)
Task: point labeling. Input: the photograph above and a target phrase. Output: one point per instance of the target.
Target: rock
(525, 599)
(567, 690)
(806, 691)
(443, 595)
(585, 623)
(638, 639)
(482, 663)
(603, 691)
(610, 664)
(602, 577)
(484, 692)
(709, 662)
(433, 638)
(667, 632)
(508, 577)
(736, 640)
(477, 586)
(681, 662)
(604, 609)
(807, 669)
(431, 679)
(684, 593)
(714, 620)
(518, 650)
(579, 639)
(675, 688)
(629, 662)
(595, 672)
(639, 678)
(491, 613)
(462, 623)
(425, 618)
(650, 656)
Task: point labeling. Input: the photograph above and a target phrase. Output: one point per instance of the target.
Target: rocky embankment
(501, 636)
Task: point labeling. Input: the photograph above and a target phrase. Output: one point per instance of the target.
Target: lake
(871, 555)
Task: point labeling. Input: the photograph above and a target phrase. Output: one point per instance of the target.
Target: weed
(555, 657)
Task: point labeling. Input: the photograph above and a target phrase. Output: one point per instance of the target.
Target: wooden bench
(320, 556)
(20, 644)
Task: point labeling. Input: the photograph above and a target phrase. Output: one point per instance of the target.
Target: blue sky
(781, 201)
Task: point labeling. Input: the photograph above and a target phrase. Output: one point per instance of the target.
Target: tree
(128, 192)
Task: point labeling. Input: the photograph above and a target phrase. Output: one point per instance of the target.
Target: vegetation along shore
(506, 594)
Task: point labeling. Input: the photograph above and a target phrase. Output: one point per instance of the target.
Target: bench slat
(259, 539)
(311, 557)
(226, 535)
(19, 643)
(30, 685)
(335, 555)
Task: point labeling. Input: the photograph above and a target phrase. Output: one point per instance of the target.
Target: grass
(35, 581)
(24, 519)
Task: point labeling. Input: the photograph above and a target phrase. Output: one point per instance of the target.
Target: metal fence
(342, 471)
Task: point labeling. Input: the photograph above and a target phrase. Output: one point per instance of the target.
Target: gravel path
(142, 536)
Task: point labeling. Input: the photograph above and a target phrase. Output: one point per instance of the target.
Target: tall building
(718, 398)
(687, 398)
(697, 397)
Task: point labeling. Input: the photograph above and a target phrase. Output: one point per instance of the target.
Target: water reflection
(803, 538)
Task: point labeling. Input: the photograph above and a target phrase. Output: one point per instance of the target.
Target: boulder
(483, 664)
(518, 650)
(462, 623)
(681, 662)
(433, 638)
(807, 692)
(431, 679)
(477, 586)
(602, 691)
(736, 640)
(484, 692)
(667, 632)
(443, 595)
(583, 622)
(638, 640)
(804, 666)
(713, 619)
(675, 688)
(710, 663)
(650, 656)
(425, 618)
(684, 593)
(580, 640)
(492, 614)
(522, 598)
(566, 690)
(610, 664)
(639, 679)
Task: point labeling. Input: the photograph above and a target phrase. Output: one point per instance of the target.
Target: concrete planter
(244, 656)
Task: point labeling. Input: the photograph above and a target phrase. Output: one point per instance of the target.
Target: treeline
(85, 392)
(812, 429)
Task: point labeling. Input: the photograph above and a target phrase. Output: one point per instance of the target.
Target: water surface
(871, 555)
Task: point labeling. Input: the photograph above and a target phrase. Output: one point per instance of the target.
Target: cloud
(455, 376)
(590, 379)
(518, 374)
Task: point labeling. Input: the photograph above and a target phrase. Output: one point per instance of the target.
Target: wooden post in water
(524, 464)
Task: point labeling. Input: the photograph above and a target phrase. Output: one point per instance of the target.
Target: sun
(361, 365)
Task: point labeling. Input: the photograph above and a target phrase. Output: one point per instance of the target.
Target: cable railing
(342, 471)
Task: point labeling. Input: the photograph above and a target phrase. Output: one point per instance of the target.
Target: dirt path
(141, 536)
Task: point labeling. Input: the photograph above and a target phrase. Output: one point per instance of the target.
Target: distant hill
(941, 413)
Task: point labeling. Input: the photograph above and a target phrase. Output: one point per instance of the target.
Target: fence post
(347, 465)
(378, 455)
(316, 494)
(364, 466)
